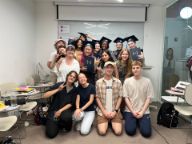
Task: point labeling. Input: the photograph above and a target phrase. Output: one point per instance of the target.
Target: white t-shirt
(64, 69)
(137, 91)
(52, 56)
(109, 97)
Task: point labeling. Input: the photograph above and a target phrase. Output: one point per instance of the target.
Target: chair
(186, 110)
(176, 93)
(26, 109)
(7, 122)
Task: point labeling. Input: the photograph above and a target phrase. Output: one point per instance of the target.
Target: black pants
(53, 126)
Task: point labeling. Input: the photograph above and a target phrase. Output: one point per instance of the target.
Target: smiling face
(97, 47)
(79, 43)
(109, 70)
(119, 46)
(105, 57)
(124, 55)
(60, 44)
(82, 79)
(105, 45)
(71, 77)
(88, 50)
(132, 44)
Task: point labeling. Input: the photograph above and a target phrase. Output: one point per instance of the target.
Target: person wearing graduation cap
(88, 62)
(84, 36)
(104, 43)
(97, 49)
(79, 45)
(136, 53)
(119, 45)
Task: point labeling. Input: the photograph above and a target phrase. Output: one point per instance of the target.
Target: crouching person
(60, 111)
(138, 92)
(85, 105)
(109, 97)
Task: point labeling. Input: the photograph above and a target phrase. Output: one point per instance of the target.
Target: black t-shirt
(62, 98)
(85, 94)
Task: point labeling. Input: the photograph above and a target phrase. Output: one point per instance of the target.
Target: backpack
(40, 114)
(167, 115)
(189, 62)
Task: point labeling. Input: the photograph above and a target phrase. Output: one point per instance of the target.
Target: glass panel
(178, 45)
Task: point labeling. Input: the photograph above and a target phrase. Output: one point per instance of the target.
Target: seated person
(109, 97)
(60, 111)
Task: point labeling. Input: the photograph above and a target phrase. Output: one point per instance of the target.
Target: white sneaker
(78, 126)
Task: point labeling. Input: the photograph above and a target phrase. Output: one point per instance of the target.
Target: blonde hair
(128, 62)
(137, 63)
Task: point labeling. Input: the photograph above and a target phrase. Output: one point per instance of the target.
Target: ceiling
(174, 9)
(152, 2)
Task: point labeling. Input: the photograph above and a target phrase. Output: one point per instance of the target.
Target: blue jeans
(143, 123)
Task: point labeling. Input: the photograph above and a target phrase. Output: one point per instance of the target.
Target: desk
(42, 87)
(20, 94)
(175, 97)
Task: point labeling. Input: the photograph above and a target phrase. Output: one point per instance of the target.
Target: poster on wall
(63, 29)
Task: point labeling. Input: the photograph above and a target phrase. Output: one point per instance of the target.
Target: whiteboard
(111, 30)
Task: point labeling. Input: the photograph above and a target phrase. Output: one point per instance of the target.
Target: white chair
(28, 106)
(186, 110)
(176, 94)
(7, 122)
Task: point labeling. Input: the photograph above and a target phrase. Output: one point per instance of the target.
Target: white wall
(16, 40)
(153, 46)
(46, 30)
(46, 33)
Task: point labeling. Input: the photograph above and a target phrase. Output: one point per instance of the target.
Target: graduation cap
(105, 39)
(131, 38)
(83, 35)
(71, 41)
(95, 42)
(118, 40)
(89, 43)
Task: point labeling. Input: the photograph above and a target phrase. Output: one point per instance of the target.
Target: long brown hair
(128, 62)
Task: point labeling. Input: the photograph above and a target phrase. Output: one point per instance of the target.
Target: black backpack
(167, 115)
(40, 116)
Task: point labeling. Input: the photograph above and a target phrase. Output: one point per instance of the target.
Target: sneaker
(78, 126)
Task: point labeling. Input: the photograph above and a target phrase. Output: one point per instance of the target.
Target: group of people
(94, 83)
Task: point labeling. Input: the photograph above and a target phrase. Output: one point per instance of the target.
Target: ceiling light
(186, 12)
(121, 1)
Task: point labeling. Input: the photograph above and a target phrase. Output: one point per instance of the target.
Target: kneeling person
(109, 97)
(138, 92)
(60, 110)
(85, 105)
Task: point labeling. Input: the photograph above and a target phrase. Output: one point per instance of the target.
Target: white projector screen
(102, 13)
